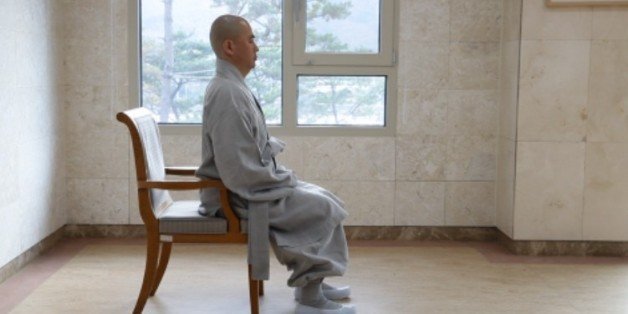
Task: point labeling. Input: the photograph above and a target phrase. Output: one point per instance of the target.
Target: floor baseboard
(104, 231)
(563, 248)
(16, 264)
(353, 233)
(410, 233)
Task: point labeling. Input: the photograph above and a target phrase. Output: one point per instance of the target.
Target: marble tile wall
(32, 189)
(572, 135)
(607, 136)
(439, 170)
(452, 162)
(96, 88)
(448, 96)
(507, 120)
(456, 90)
(548, 192)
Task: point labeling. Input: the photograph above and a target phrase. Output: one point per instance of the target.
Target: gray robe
(302, 220)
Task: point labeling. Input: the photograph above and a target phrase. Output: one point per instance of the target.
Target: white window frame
(384, 57)
(301, 63)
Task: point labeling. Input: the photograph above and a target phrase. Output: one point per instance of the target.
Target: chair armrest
(181, 171)
(180, 185)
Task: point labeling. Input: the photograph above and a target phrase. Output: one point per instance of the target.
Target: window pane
(341, 100)
(342, 26)
(178, 62)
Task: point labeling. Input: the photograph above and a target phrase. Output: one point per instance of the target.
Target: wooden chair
(169, 221)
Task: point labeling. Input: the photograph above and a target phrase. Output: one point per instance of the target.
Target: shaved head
(225, 27)
(233, 41)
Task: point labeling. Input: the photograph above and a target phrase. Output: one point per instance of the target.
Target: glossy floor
(104, 276)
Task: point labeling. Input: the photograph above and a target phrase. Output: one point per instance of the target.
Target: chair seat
(183, 217)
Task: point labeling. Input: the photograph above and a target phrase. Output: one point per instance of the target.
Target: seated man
(301, 220)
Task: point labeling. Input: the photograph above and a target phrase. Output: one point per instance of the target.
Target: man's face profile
(245, 52)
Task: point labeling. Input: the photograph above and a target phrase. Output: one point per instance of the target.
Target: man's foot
(330, 292)
(313, 301)
(336, 293)
(325, 307)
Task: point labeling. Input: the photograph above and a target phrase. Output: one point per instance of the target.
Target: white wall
(32, 169)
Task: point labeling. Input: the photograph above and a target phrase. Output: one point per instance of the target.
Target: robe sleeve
(240, 161)
(276, 145)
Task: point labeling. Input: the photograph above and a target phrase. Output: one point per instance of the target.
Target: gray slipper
(344, 309)
(330, 292)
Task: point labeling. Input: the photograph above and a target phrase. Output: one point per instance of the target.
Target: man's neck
(242, 69)
(227, 68)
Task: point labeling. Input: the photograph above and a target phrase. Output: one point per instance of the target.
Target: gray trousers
(326, 257)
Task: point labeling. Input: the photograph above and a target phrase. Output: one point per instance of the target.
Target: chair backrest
(148, 152)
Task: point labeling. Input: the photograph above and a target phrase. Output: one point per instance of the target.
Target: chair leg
(254, 293)
(164, 257)
(261, 287)
(152, 249)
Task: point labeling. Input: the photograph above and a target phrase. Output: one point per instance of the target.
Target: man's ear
(227, 47)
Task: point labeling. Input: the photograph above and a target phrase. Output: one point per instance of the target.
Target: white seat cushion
(183, 217)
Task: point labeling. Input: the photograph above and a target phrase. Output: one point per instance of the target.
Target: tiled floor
(104, 276)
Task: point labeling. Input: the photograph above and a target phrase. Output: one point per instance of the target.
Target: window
(323, 65)
(341, 100)
(177, 61)
(357, 32)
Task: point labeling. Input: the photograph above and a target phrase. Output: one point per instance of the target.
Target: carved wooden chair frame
(159, 245)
